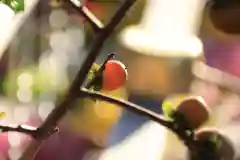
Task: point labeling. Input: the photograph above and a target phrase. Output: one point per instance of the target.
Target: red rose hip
(114, 75)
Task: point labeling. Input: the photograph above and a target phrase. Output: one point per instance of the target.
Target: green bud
(167, 109)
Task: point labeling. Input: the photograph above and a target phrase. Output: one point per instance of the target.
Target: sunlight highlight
(168, 28)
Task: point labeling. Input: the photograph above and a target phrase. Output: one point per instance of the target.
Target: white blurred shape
(58, 77)
(25, 80)
(45, 108)
(50, 63)
(174, 17)
(25, 95)
(168, 28)
(44, 63)
(27, 3)
(28, 127)
(11, 28)
(76, 2)
(209, 91)
(13, 125)
(76, 57)
(54, 67)
(149, 142)
(6, 22)
(178, 47)
(201, 70)
(14, 153)
(14, 139)
(60, 41)
(21, 114)
(58, 18)
(6, 17)
(227, 111)
(77, 36)
(59, 59)
(58, 71)
(46, 97)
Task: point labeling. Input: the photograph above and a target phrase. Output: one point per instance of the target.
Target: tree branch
(176, 126)
(70, 97)
(86, 13)
(129, 106)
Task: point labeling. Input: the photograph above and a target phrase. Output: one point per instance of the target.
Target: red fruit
(114, 75)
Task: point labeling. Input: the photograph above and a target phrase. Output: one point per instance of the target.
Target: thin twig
(87, 14)
(129, 106)
(109, 57)
(62, 108)
(21, 128)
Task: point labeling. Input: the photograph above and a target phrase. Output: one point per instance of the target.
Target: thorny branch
(127, 105)
(62, 108)
(25, 129)
(196, 151)
(174, 126)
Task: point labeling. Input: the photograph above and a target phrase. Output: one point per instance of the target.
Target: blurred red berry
(114, 75)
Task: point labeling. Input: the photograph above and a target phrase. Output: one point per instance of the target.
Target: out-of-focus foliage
(15, 5)
(39, 81)
(92, 72)
(10, 83)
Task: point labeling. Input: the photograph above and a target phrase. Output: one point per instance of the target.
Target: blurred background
(44, 56)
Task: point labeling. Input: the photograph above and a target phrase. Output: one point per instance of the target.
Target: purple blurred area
(65, 145)
(223, 55)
